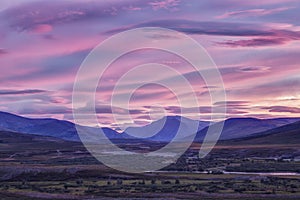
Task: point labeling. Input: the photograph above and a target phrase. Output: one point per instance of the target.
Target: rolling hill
(46, 127)
(243, 127)
(287, 134)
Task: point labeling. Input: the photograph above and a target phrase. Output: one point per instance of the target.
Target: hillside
(165, 129)
(287, 134)
(243, 127)
(47, 127)
(12, 143)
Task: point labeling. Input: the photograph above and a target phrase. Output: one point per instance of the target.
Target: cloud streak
(259, 34)
(165, 4)
(205, 27)
(257, 42)
(252, 12)
(21, 92)
(42, 16)
(286, 109)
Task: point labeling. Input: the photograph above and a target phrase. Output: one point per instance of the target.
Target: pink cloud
(2, 52)
(257, 2)
(283, 109)
(275, 37)
(165, 4)
(252, 12)
(132, 8)
(42, 28)
(256, 42)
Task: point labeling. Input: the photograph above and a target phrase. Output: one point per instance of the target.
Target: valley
(262, 165)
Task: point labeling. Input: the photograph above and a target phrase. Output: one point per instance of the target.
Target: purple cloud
(102, 108)
(2, 52)
(205, 27)
(252, 12)
(232, 103)
(285, 87)
(40, 16)
(177, 110)
(18, 92)
(165, 4)
(287, 109)
(262, 35)
(257, 42)
(252, 69)
(53, 110)
(276, 37)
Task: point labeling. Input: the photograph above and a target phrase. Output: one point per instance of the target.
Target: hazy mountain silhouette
(243, 127)
(47, 127)
(166, 128)
(287, 134)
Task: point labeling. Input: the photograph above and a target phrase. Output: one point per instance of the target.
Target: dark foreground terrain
(37, 167)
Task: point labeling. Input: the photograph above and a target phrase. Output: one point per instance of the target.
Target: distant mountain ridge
(287, 134)
(233, 128)
(165, 129)
(46, 127)
(67, 130)
(243, 127)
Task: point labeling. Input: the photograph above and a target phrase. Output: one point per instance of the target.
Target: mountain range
(243, 127)
(287, 134)
(165, 129)
(234, 128)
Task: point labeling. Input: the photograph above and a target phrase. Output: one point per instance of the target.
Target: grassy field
(153, 185)
(43, 168)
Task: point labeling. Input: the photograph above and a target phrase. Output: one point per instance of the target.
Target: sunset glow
(255, 45)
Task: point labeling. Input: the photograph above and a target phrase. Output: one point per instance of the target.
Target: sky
(255, 45)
